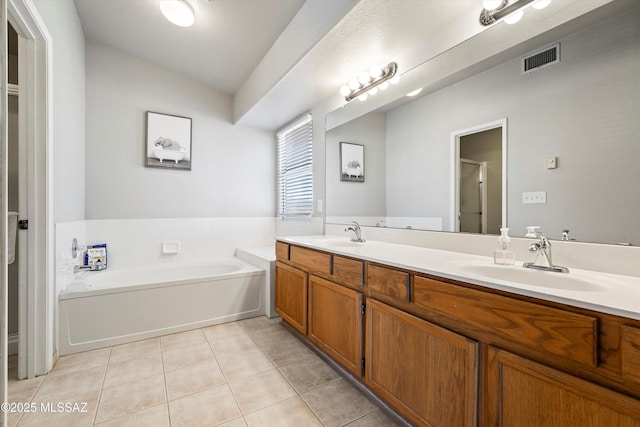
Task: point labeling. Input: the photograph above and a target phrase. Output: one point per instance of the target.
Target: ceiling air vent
(541, 59)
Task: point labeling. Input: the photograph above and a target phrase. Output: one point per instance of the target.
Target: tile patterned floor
(246, 373)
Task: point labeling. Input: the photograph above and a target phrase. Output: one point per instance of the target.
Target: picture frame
(168, 141)
(351, 162)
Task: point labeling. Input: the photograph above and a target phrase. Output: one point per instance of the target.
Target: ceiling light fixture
(368, 83)
(178, 12)
(495, 10)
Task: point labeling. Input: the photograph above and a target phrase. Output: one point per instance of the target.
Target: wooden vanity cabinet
(291, 289)
(427, 372)
(320, 295)
(523, 393)
(335, 322)
(446, 353)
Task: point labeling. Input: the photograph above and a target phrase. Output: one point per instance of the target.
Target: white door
(472, 207)
(3, 208)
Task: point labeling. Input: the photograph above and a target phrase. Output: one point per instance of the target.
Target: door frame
(455, 169)
(36, 345)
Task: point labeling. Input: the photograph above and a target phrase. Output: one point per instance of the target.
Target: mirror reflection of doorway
(473, 196)
(479, 190)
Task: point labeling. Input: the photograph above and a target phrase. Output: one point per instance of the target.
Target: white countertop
(611, 293)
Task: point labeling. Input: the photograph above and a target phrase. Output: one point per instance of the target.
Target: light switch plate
(552, 162)
(534, 197)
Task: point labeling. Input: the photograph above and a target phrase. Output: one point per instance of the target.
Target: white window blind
(295, 169)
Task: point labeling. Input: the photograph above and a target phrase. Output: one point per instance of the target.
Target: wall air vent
(541, 59)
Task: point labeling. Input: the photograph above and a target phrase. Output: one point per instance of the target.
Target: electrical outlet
(534, 197)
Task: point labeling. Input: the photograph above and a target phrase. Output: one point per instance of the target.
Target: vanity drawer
(348, 272)
(318, 262)
(563, 333)
(388, 282)
(282, 251)
(631, 353)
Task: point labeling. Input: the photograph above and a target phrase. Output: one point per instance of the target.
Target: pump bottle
(503, 254)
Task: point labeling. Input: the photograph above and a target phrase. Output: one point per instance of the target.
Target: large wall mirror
(568, 136)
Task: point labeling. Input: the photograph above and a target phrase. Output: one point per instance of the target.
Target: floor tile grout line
(164, 377)
(361, 417)
(227, 383)
(104, 379)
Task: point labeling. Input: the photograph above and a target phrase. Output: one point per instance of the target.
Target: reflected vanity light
(414, 92)
(495, 10)
(368, 83)
(178, 12)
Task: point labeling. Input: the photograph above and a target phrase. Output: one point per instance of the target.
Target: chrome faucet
(357, 232)
(93, 267)
(543, 250)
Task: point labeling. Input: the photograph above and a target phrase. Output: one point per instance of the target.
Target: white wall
(233, 167)
(584, 111)
(68, 115)
(366, 198)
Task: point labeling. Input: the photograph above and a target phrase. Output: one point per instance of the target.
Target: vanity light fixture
(368, 83)
(495, 10)
(178, 12)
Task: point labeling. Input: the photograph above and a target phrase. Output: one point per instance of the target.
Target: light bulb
(345, 90)
(491, 4)
(179, 12)
(354, 84)
(373, 91)
(375, 71)
(364, 78)
(383, 85)
(514, 17)
(395, 79)
(541, 4)
(363, 97)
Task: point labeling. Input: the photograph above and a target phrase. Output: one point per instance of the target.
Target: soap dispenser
(503, 254)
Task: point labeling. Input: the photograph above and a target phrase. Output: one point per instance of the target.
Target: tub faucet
(357, 232)
(93, 267)
(543, 250)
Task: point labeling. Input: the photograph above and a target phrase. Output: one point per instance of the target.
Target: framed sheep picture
(168, 141)
(351, 162)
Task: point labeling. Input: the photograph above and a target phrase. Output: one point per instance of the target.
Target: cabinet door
(522, 393)
(426, 372)
(291, 296)
(335, 322)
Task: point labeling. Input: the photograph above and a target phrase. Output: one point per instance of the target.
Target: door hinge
(23, 224)
(363, 308)
(362, 364)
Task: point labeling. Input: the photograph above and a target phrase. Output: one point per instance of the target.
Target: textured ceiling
(227, 41)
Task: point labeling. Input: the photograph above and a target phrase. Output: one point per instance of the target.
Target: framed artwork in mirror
(168, 141)
(351, 162)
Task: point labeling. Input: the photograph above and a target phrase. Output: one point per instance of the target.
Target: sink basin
(336, 242)
(539, 279)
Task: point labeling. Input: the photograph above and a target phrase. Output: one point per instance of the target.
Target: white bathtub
(176, 156)
(117, 306)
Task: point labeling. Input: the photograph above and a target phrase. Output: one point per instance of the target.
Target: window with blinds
(295, 169)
